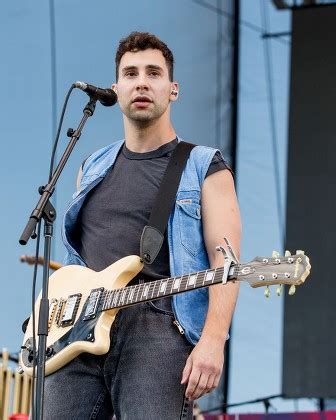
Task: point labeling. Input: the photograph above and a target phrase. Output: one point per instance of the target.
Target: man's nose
(142, 82)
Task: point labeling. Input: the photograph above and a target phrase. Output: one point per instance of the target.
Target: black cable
(52, 27)
(219, 78)
(59, 131)
(33, 313)
(268, 70)
(249, 25)
(53, 65)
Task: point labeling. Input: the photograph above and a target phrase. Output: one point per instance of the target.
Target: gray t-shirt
(115, 212)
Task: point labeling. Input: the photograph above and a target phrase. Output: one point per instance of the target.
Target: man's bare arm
(221, 218)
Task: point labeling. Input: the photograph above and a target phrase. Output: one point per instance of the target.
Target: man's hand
(203, 368)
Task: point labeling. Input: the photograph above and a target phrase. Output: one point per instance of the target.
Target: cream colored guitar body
(68, 281)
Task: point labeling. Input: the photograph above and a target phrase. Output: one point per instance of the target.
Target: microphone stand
(44, 209)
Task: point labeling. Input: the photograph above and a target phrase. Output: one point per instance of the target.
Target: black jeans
(139, 378)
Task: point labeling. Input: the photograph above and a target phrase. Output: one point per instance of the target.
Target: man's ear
(174, 91)
(114, 87)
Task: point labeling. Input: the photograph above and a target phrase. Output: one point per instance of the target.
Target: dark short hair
(140, 41)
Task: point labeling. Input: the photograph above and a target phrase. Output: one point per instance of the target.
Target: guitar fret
(118, 297)
(123, 295)
(200, 278)
(153, 288)
(134, 294)
(192, 280)
(106, 299)
(171, 284)
(140, 292)
(163, 286)
(204, 276)
(145, 292)
(131, 293)
(138, 288)
(176, 283)
(109, 299)
(128, 290)
(184, 282)
(157, 292)
(209, 276)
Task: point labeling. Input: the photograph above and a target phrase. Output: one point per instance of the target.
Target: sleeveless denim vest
(187, 251)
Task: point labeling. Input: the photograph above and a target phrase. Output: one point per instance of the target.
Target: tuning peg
(267, 292)
(287, 254)
(292, 290)
(275, 254)
(279, 290)
(299, 252)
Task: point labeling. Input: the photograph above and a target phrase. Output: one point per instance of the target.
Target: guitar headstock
(276, 270)
(31, 260)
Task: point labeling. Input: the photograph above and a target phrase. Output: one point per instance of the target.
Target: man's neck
(142, 139)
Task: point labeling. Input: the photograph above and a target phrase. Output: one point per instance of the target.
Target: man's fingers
(186, 371)
(192, 383)
(200, 388)
(211, 383)
(216, 381)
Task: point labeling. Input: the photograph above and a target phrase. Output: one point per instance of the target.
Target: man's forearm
(222, 302)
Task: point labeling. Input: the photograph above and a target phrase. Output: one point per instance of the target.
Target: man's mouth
(142, 100)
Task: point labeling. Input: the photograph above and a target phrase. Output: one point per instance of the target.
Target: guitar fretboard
(130, 295)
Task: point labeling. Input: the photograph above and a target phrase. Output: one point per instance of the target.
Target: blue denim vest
(187, 251)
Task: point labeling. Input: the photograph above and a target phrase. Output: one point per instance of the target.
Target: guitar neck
(157, 289)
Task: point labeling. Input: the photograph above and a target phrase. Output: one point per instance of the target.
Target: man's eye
(154, 73)
(130, 74)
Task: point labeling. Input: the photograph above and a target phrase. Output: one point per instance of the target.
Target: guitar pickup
(70, 310)
(92, 304)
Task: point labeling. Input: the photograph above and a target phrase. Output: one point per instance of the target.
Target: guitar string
(199, 283)
(154, 288)
(218, 272)
(111, 298)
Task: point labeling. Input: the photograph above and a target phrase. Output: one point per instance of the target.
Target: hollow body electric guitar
(83, 303)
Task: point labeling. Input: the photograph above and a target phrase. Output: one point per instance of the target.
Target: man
(166, 353)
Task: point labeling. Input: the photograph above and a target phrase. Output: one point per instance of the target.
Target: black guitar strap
(153, 234)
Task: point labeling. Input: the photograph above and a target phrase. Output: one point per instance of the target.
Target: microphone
(106, 97)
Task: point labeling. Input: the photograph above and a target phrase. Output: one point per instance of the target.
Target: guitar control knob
(19, 370)
(50, 352)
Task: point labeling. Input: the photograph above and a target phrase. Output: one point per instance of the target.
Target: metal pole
(234, 132)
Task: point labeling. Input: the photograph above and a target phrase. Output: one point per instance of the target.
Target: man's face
(143, 88)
